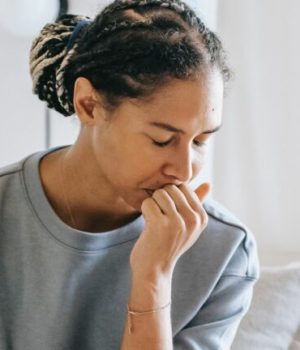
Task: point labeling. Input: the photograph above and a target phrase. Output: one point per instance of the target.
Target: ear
(85, 100)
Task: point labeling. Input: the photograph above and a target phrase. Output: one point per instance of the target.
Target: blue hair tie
(79, 26)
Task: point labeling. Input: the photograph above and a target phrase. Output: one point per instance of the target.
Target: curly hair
(129, 50)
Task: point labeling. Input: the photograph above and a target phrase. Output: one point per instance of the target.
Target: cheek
(133, 166)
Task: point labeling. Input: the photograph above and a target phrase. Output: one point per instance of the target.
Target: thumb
(203, 190)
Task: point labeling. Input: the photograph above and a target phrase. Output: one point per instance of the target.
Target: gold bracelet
(137, 313)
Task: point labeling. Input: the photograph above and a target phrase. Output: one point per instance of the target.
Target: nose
(180, 166)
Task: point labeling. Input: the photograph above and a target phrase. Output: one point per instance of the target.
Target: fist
(174, 219)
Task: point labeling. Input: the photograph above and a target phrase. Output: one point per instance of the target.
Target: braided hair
(129, 50)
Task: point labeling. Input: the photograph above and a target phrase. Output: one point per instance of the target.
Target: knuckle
(160, 191)
(181, 229)
(179, 224)
(195, 220)
(205, 219)
(198, 220)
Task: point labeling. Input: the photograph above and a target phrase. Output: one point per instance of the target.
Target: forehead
(186, 104)
(189, 95)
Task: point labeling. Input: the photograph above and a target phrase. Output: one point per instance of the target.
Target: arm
(174, 220)
(213, 327)
(151, 331)
(212, 323)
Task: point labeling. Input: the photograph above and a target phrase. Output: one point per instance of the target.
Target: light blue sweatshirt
(64, 289)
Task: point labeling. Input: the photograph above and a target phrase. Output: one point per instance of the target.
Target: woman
(103, 244)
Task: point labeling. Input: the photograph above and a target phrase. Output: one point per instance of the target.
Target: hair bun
(49, 55)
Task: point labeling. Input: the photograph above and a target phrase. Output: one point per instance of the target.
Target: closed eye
(164, 144)
(161, 144)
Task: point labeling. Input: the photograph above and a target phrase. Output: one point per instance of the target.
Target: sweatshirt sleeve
(215, 324)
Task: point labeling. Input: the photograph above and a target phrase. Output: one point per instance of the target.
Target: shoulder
(10, 184)
(232, 238)
(11, 169)
(9, 174)
(18, 167)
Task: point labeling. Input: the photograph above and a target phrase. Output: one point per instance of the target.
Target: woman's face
(126, 148)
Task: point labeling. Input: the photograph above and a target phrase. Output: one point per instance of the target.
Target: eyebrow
(173, 129)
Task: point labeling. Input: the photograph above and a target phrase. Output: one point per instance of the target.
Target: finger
(181, 202)
(191, 211)
(195, 201)
(191, 197)
(165, 202)
(150, 210)
(203, 190)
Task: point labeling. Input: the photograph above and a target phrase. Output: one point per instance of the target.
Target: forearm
(150, 331)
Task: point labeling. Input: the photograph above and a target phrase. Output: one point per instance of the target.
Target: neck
(93, 204)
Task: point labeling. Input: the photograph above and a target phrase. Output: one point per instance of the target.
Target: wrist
(150, 292)
(151, 275)
(152, 272)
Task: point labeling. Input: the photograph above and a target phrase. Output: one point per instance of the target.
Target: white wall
(21, 119)
(206, 9)
(257, 163)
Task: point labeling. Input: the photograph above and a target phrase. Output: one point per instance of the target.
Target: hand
(174, 219)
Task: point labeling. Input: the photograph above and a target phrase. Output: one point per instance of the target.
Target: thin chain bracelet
(137, 313)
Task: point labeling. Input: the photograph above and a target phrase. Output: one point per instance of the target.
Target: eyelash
(164, 144)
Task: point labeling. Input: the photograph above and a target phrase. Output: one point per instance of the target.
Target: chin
(135, 201)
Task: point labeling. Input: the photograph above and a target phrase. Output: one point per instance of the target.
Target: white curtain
(256, 156)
